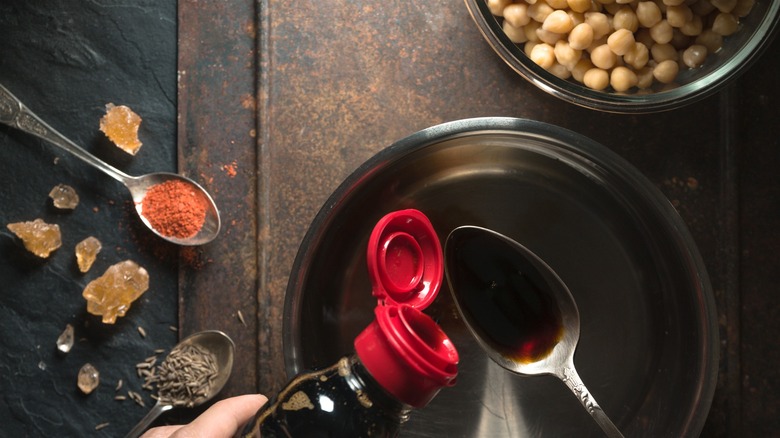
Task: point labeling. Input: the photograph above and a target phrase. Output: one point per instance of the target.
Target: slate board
(66, 60)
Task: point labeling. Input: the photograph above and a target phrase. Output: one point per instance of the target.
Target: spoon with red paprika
(174, 207)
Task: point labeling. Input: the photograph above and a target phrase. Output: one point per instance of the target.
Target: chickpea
(543, 55)
(596, 43)
(548, 37)
(693, 27)
(559, 71)
(677, 16)
(578, 72)
(576, 17)
(612, 8)
(673, 2)
(648, 13)
(662, 32)
(539, 11)
(644, 77)
(579, 5)
(680, 41)
(581, 36)
(599, 23)
(702, 7)
(497, 6)
(643, 36)
(724, 5)
(743, 7)
(663, 52)
(666, 71)
(515, 34)
(622, 79)
(725, 24)
(621, 41)
(558, 22)
(558, 4)
(638, 56)
(529, 47)
(625, 18)
(596, 79)
(694, 56)
(711, 40)
(517, 14)
(603, 57)
(566, 55)
(530, 30)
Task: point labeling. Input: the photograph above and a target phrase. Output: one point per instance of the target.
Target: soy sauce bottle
(401, 360)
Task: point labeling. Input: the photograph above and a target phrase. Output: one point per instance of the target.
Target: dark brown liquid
(341, 401)
(502, 296)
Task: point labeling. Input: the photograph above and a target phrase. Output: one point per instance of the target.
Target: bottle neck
(373, 394)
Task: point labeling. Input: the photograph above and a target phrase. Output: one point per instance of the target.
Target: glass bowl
(739, 51)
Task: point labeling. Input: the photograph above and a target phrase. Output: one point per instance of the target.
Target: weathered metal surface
(344, 82)
(217, 142)
(278, 102)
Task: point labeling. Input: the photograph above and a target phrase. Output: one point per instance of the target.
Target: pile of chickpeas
(620, 44)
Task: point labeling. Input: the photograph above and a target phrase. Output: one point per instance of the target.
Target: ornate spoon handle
(573, 381)
(15, 114)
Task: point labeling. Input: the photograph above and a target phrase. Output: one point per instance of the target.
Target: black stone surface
(66, 60)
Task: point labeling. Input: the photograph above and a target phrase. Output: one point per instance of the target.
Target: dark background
(66, 60)
(295, 101)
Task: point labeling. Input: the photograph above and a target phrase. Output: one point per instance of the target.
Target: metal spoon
(15, 114)
(215, 342)
(518, 309)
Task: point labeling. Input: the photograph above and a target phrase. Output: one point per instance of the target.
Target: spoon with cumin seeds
(194, 372)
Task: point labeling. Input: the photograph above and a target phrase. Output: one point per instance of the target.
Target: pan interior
(608, 234)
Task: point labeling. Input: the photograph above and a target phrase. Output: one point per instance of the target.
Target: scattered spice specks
(136, 397)
(102, 426)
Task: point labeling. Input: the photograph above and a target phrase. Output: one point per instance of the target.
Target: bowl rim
(709, 353)
(577, 94)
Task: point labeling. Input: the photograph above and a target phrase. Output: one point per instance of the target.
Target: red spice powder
(175, 209)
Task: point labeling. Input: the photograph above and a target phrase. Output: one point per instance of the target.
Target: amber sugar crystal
(88, 378)
(111, 295)
(37, 236)
(86, 252)
(64, 197)
(120, 124)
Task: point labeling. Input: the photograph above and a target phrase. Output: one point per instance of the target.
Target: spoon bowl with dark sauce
(518, 309)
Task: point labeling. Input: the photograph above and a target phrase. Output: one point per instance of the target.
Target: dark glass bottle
(401, 360)
(343, 400)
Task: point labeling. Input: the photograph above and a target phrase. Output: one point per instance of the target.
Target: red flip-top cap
(404, 349)
(405, 260)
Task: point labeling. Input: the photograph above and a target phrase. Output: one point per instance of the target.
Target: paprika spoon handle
(15, 114)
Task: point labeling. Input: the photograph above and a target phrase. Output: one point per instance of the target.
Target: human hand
(221, 420)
